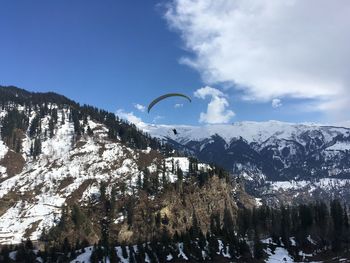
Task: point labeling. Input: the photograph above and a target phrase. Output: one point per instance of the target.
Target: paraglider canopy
(155, 101)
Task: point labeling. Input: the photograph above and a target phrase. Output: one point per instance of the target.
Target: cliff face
(176, 210)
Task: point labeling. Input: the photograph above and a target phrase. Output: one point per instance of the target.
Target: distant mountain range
(272, 157)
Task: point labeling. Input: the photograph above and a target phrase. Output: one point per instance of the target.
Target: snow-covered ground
(339, 146)
(274, 253)
(84, 257)
(3, 149)
(323, 183)
(63, 168)
(280, 255)
(58, 172)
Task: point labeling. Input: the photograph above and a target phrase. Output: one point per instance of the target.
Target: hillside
(56, 154)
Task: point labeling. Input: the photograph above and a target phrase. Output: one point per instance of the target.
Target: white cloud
(276, 103)
(269, 48)
(202, 93)
(217, 111)
(178, 105)
(140, 107)
(129, 116)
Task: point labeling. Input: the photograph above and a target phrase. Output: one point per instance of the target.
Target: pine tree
(89, 131)
(36, 150)
(180, 177)
(34, 126)
(212, 246)
(244, 250)
(77, 245)
(113, 200)
(130, 211)
(131, 254)
(78, 217)
(103, 188)
(150, 254)
(202, 242)
(164, 176)
(258, 246)
(158, 219)
(321, 221)
(244, 221)
(215, 224)
(64, 217)
(338, 223)
(66, 247)
(165, 242)
(63, 118)
(155, 183)
(5, 254)
(228, 227)
(346, 218)
(286, 225)
(146, 181)
(124, 252)
(51, 127)
(113, 257)
(306, 221)
(194, 230)
(29, 244)
(140, 253)
(93, 257)
(139, 182)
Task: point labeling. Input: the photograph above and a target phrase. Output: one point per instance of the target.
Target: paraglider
(155, 101)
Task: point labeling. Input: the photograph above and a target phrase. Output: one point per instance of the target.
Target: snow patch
(3, 149)
(280, 255)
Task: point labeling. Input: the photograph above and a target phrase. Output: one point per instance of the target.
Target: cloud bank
(217, 111)
(269, 48)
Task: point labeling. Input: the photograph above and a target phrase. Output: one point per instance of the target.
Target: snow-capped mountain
(55, 154)
(270, 154)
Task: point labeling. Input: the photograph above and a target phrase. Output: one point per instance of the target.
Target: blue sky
(116, 54)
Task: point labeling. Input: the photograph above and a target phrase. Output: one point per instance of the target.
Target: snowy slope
(3, 151)
(65, 167)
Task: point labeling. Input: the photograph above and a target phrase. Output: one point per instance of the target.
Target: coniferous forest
(317, 227)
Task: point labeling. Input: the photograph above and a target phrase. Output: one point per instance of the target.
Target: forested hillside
(79, 184)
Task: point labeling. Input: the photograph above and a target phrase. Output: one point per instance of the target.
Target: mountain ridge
(264, 154)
